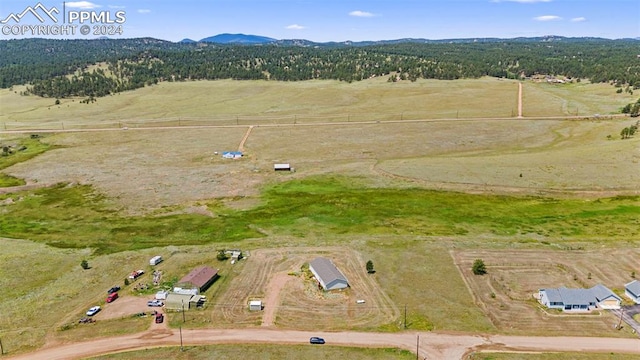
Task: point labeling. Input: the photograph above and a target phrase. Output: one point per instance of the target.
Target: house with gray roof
(566, 299)
(327, 274)
(632, 290)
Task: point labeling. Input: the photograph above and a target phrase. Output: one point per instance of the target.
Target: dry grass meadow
(459, 135)
(506, 293)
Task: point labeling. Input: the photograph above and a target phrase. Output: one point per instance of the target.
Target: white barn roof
(328, 274)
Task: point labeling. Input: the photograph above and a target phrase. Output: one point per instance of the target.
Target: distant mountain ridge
(244, 39)
(238, 39)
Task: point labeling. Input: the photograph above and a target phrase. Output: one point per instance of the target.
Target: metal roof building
(201, 278)
(327, 274)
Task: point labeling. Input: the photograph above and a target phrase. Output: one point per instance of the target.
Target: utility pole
(418, 348)
(183, 316)
(181, 348)
(1, 348)
(405, 316)
(620, 321)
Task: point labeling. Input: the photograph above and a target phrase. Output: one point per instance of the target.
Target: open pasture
(228, 102)
(148, 169)
(506, 292)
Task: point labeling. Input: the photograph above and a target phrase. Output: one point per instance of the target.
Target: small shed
(255, 305)
(282, 167)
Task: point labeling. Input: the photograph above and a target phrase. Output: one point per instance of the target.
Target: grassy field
(263, 352)
(78, 217)
(118, 198)
(264, 102)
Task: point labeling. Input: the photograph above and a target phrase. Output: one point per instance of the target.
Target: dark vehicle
(316, 340)
(113, 289)
(159, 318)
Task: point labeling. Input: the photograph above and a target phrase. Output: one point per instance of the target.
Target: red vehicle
(159, 318)
(112, 297)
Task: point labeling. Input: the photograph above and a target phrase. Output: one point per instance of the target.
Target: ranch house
(327, 274)
(632, 290)
(571, 300)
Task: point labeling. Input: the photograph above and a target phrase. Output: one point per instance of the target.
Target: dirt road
(519, 99)
(432, 345)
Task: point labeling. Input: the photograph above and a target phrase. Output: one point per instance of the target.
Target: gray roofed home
(566, 299)
(327, 274)
(632, 290)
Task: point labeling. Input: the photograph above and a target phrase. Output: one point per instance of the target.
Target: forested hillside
(58, 68)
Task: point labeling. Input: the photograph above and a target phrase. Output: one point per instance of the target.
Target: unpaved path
(519, 99)
(431, 345)
(272, 298)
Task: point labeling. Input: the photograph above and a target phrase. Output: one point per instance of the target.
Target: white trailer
(155, 260)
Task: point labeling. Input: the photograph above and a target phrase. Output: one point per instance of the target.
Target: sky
(329, 20)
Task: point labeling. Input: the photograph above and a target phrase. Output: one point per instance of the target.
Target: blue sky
(356, 20)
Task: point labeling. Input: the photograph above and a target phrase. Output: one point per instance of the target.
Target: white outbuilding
(255, 305)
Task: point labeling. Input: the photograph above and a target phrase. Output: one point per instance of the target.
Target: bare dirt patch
(125, 306)
(292, 299)
(506, 292)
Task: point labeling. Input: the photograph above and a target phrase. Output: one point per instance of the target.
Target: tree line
(60, 68)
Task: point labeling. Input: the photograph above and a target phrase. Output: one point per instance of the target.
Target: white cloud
(144, 11)
(295, 27)
(81, 5)
(579, 19)
(359, 13)
(523, 1)
(547, 18)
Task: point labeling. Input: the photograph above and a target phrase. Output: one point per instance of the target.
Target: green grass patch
(8, 180)
(32, 148)
(263, 352)
(78, 217)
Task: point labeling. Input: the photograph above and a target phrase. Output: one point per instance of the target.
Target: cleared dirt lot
(294, 301)
(506, 292)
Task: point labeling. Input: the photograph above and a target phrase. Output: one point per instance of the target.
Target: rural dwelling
(199, 278)
(327, 274)
(632, 290)
(255, 305)
(231, 154)
(569, 300)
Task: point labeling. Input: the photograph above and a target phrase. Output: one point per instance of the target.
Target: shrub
(479, 267)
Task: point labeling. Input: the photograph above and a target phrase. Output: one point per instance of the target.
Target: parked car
(113, 289)
(316, 340)
(112, 297)
(159, 318)
(94, 310)
(155, 303)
